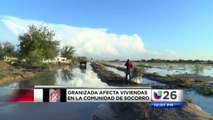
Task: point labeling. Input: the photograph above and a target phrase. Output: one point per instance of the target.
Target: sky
(110, 29)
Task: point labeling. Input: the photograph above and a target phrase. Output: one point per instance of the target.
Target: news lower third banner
(92, 95)
(159, 98)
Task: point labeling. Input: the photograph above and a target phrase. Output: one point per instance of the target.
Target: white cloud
(96, 43)
(92, 42)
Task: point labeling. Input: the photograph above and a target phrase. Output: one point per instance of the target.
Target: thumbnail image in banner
(50, 95)
(54, 95)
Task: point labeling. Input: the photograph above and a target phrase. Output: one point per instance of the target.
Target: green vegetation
(37, 44)
(68, 52)
(6, 49)
(198, 69)
(183, 65)
(189, 100)
(171, 67)
(205, 91)
(1, 53)
(138, 71)
(1, 75)
(170, 70)
(17, 74)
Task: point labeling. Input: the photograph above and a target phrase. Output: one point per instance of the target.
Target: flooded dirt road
(75, 77)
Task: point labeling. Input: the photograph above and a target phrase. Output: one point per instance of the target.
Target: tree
(37, 44)
(1, 52)
(68, 52)
(6, 49)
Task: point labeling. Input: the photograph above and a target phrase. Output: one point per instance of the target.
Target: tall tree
(6, 49)
(38, 44)
(68, 52)
(1, 52)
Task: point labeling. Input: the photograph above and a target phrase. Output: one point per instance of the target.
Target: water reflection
(44, 111)
(174, 69)
(75, 77)
(151, 82)
(66, 74)
(83, 70)
(121, 73)
(86, 79)
(44, 79)
(105, 111)
(138, 80)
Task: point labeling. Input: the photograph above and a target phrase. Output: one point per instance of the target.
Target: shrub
(138, 71)
(198, 69)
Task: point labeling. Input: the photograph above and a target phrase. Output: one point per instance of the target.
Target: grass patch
(206, 91)
(1, 76)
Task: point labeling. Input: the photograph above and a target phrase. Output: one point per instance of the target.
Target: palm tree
(68, 52)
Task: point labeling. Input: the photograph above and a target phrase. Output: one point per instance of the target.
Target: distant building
(58, 59)
(10, 59)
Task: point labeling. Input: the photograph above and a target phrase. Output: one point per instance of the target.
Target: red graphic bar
(23, 95)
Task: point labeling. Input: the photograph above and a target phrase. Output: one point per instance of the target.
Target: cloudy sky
(112, 29)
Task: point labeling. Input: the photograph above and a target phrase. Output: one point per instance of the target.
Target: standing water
(202, 101)
(34, 111)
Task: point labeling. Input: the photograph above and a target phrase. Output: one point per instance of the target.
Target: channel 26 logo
(167, 95)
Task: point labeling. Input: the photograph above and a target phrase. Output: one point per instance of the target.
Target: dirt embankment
(109, 77)
(143, 111)
(4, 65)
(10, 74)
(199, 83)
